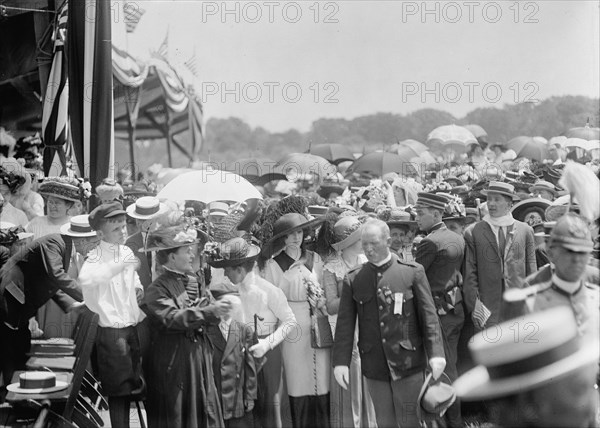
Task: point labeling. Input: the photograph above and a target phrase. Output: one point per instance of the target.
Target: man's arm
(426, 252)
(470, 281)
(431, 331)
(52, 252)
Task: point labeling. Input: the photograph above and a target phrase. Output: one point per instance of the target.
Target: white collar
(504, 221)
(384, 261)
(569, 287)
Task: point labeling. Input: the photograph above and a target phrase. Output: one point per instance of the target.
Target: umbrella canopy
(558, 140)
(451, 136)
(257, 171)
(297, 164)
(334, 153)
(413, 145)
(528, 147)
(584, 132)
(476, 130)
(380, 163)
(578, 142)
(208, 186)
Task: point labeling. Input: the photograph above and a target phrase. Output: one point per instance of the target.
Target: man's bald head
(375, 240)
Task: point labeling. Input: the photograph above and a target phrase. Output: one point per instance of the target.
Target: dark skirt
(181, 387)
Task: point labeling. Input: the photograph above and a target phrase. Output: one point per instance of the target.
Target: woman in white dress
(307, 371)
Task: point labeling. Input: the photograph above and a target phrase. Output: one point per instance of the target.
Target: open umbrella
(454, 137)
(413, 145)
(584, 132)
(334, 153)
(257, 171)
(528, 147)
(299, 164)
(577, 142)
(477, 131)
(208, 186)
(380, 163)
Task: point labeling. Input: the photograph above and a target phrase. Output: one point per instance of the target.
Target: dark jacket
(441, 253)
(391, 345)
(234, 369)
(136, 243)
(35, 275)
(486, 275)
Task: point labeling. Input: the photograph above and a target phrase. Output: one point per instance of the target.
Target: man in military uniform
(398, 329)
(441, 253)
(564, 282)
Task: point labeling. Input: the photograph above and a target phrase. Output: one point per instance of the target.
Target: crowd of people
(324, 304)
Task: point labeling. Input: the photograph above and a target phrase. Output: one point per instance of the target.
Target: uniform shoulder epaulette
(407, 263)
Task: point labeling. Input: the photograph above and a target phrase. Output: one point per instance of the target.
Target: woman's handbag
(320, 331)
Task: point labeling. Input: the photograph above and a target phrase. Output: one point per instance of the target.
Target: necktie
(501, 242)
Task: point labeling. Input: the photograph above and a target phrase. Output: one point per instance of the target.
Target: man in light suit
(500, 254)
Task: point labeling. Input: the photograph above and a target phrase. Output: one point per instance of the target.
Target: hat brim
(522, 206)
(348, 241)
(16, 388)
(162, 209)
(511, 195)
(65, 229)
(55, 195)
(534, 188)
(223, 263)
(268, 248)
(169, 247)
(466, 219)
(409, 223)
(476, 385)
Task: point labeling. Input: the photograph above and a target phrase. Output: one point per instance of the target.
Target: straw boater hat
(37, 382)
(523, 210)
(501, 188)
(346, 232)
(235, 252)
(400, 217)
(170, 237)
(285, 225)
(146, 208)
(218, 209)
(78, 227)
(515, 363)
(61, 187)
(544, 185)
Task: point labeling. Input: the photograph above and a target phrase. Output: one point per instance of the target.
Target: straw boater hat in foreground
(146, 208)
(501, 188)
(514, 363)
(78, 227)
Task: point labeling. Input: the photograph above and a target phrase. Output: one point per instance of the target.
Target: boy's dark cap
(105, 211)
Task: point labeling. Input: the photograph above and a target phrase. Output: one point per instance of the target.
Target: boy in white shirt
(112, 289)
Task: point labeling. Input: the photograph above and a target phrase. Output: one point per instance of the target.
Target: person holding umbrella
(273, 319)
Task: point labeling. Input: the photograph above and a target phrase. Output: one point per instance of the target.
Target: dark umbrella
(257, 171)
(528, 147)
(380, 163)
(334, 153)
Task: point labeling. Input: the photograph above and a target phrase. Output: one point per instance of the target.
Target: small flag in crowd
(133, 13)
(481, 313)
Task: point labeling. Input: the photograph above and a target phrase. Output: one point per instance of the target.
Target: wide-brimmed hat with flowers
(235, 252)
(171, 237)
(65, 188)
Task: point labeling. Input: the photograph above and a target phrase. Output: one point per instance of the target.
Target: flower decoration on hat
(12, 180)
(438, 187)
(454, 206)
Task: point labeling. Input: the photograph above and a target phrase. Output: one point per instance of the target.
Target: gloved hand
(342, 376)
(261, 348)
(437, 365)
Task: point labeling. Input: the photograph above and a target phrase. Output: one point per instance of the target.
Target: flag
(163, 50)
(192, 64)
(133, 13)
(56, 102)
(481, 313)
(90, 85)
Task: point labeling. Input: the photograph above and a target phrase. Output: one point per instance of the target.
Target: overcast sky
(282, 65)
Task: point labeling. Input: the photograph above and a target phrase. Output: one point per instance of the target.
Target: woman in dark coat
(181, 387)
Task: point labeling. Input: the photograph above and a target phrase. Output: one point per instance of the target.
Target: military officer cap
(573, 233)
